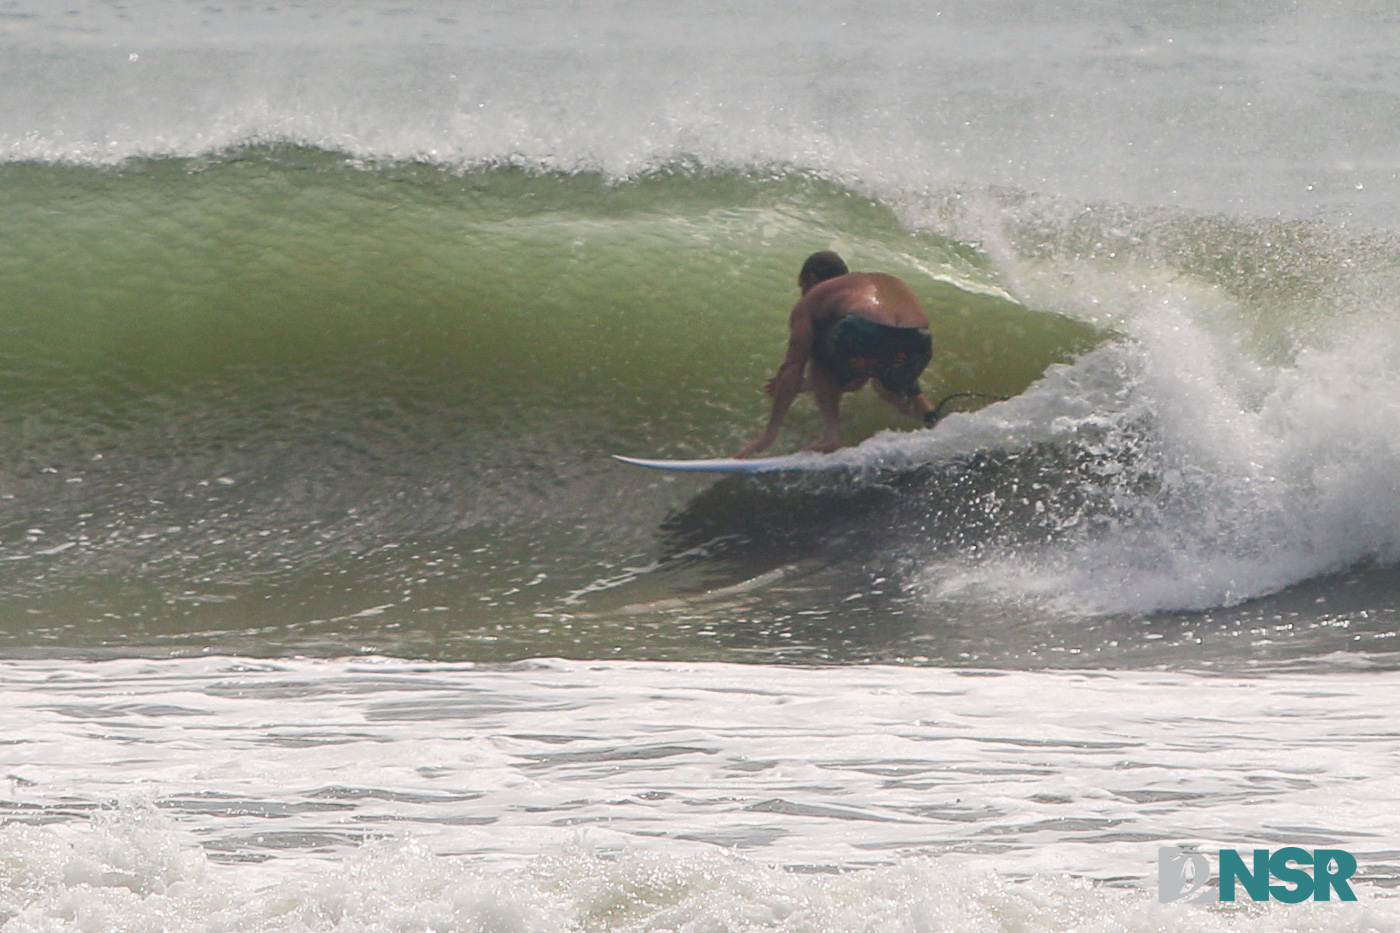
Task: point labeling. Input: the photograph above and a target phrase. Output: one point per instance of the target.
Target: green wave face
(287, 388)
(266, 391)
(662, 299)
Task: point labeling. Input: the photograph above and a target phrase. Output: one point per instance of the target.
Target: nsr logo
(1181, 874)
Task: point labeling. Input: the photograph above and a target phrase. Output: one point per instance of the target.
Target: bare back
(875, 296)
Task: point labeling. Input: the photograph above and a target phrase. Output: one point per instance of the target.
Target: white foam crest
(899, 97)
(1227, 477)
(620, 112)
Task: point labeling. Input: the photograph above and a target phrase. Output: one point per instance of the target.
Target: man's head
(818, 268)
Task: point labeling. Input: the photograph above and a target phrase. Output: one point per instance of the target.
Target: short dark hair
(822, 266)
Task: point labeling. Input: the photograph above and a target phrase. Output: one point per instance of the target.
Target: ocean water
(324, 607)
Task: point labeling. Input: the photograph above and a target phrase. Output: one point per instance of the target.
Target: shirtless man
(846, 329)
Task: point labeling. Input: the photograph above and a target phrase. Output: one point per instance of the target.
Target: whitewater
(323, 605)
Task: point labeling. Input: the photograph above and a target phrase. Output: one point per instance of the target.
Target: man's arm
(787, 384)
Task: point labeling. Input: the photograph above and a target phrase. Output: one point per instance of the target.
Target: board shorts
(859, 348)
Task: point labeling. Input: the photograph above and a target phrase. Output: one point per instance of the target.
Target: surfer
(847, 329)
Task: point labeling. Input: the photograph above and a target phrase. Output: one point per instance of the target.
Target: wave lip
(888, 102)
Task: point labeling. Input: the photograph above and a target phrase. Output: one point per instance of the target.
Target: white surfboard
(791, 463)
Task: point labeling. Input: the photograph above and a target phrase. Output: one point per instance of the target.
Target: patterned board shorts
(858, 348)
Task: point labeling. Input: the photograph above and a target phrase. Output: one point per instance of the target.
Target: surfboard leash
(937, 414)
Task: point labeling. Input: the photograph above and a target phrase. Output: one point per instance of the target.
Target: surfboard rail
(788, 463)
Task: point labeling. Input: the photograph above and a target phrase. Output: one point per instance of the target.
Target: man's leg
(827, 392)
